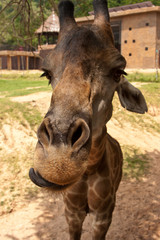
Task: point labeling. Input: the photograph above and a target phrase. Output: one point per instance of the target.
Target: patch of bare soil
(13, 136)
(154, 112)
(137, 212)
(40, 99)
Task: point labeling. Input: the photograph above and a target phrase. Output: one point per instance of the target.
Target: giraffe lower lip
(38, 180)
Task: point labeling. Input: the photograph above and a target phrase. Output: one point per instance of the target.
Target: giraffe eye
(117, 74)
(48, 75)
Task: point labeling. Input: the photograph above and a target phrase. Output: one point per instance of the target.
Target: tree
(20, 18)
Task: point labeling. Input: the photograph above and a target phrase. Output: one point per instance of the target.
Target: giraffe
(74, 153)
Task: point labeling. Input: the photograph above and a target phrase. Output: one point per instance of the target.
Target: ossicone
(101, 10)
(66, 15)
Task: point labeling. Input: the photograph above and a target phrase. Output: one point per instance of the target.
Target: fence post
(9, 62)
(0, 63)
(19, 64)
(27, 62)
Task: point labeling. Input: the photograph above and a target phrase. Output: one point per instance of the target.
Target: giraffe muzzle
(76, 137)
(38, 180)
(61, 158)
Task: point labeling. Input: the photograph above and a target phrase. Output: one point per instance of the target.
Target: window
(116, 28)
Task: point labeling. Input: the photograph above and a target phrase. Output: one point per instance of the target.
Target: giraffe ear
(131, 98)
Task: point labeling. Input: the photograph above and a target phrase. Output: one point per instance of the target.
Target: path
(136, 217)
(137, 212)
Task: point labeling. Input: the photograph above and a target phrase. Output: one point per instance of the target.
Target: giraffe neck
(98, 149)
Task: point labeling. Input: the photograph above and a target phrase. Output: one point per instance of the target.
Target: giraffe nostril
(78, 134)
(44, 132)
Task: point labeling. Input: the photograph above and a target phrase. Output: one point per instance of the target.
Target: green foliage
(20, 19)
(82, 7)
(115, 3)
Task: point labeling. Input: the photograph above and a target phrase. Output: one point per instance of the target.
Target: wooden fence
(19, 60)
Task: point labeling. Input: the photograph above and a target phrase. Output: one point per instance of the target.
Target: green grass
(15, 184)
(18, 85)
(143, 77)
(20, 112)
(152, 93)
(135, 163)
(146, 122)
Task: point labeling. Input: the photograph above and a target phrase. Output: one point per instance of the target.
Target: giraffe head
(85, 69)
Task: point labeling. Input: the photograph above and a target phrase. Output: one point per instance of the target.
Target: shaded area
(138, 206)
(135, 163)
(136, 215)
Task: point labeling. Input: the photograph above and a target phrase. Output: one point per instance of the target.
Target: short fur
(74, 152)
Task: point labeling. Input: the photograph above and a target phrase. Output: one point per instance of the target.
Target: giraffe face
(84, 69)
(82, 78)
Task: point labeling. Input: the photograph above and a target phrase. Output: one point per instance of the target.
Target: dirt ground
(137, 212)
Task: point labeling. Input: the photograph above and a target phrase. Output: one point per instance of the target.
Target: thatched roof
(50, 25)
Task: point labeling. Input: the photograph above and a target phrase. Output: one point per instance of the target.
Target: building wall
(138, 39)
(140, 36)
(158, 25)
(158, 41)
